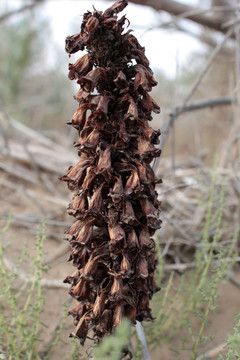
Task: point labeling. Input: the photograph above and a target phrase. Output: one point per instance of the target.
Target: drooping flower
(114, 202)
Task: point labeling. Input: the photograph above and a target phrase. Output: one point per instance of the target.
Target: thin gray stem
(143, 341)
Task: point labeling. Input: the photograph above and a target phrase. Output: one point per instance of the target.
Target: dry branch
(184, 11)
(173, 115)
(211, 354)
(194, 106)
(208, 65)
(203, 104)
(48, 283)
(34, 220)
(180, 230)
(182, 267)
(62, 250)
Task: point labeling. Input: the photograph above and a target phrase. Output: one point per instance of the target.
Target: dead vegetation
(30, 164)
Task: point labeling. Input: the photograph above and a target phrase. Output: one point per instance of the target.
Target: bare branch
(209, 103)
(197, 105)
(48, 283)
(208, 64)
(180, 230)
(178, 9)
(185, 266)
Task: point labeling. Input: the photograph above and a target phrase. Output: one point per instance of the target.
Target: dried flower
(115, 202)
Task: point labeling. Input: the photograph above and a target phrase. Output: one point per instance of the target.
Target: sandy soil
(221, 322)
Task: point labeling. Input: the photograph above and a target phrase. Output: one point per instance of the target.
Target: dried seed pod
(115, 202)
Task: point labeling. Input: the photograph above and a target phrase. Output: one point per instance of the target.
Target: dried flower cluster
(115, 202)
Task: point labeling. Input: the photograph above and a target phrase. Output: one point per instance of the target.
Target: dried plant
(115, 202)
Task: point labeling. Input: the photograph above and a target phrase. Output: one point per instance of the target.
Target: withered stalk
(115, 203)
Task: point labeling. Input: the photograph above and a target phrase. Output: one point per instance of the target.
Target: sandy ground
(220, 323)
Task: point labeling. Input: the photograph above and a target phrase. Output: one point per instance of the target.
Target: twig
(181, 231)
(194, 106)
(18, 171)
(166, 247)
(48, 283)
(193, 12)
(49, 234)
(211, 354)
(35, 220)
(44, 140)
(21, 189)
(202, 104)
(143, 341)
(208, 64)
(25, 147)
(231, 22)
(180, 10)
(62, 250)
(181, 267)
(33, 195)
(177, 186)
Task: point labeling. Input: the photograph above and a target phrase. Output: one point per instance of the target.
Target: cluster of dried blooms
(115, 203)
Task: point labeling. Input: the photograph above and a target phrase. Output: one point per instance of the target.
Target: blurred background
(35, 89)
(194, 51)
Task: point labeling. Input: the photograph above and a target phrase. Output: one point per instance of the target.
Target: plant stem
(143, 341)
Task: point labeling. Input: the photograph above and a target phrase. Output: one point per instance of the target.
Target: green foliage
(74, 353)
(184, 302)
(33, 88)
(232, 347)
(21, 304)
(112, 346)
(193, 297)
(21, 47)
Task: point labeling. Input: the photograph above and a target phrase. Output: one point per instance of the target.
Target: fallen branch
(32, 194)
(48, 283)
(34, 220)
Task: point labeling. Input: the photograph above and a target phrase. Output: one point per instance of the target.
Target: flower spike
(115, 203)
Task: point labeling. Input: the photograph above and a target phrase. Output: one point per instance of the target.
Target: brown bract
(115, 203)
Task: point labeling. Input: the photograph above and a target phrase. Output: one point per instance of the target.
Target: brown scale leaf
(92, 25)
(149, 104)
(143, 78)
(79, 205)
(81, 67)
(92, 79)
(79, 118)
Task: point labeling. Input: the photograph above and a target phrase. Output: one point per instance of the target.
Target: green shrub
(21, 304)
